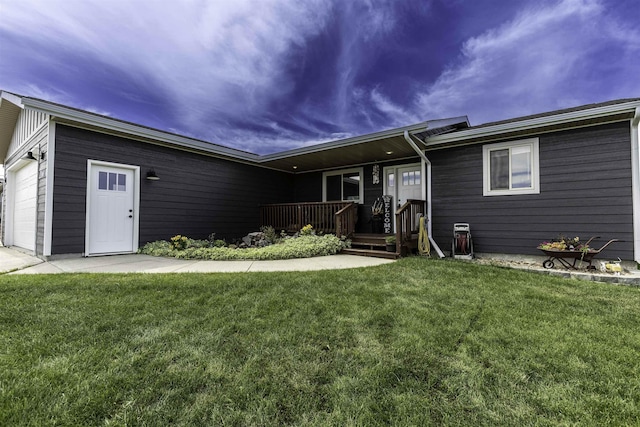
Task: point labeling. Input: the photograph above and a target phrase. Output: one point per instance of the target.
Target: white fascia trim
(635, 182)
(16, 100)
(533, 123)
(132, 129)
(48, 200)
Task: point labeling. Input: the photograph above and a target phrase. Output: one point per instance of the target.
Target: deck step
(371, 253)
(370, 241)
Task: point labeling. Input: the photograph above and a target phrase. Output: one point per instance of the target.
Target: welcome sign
(387, 223)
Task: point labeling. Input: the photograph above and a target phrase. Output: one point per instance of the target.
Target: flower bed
(304, 245)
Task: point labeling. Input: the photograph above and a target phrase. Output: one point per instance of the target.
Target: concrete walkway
(16, 262)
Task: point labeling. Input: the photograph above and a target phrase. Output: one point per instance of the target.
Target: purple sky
(269, 75)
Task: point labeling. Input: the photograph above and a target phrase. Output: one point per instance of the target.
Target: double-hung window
(343, 185)
(511, 168)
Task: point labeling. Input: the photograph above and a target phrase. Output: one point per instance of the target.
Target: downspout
(635, 183)
(424, 158)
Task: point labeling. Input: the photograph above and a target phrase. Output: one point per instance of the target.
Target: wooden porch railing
(325, 217)
(407, 222)
(346, 220)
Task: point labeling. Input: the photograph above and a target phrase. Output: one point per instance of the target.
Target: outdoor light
(151, 175)
(389, 153)
(29, 156)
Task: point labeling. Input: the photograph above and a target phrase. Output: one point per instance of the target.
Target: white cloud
(197, 51)
(397, 114)
(534, 63)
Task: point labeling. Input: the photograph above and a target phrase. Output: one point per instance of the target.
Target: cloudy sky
(269, 75)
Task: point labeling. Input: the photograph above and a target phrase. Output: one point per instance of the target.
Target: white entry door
(404, 183)
(111, 202)
(409, 184)
(24, 206)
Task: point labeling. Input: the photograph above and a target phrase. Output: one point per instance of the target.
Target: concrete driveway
(16, 262)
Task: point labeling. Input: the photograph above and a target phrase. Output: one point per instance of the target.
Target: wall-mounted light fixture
(30, 156)
(151, 175)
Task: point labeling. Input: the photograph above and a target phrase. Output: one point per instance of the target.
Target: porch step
(376, 253)
(370, 241)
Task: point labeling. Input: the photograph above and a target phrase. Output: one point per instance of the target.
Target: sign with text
(388, 215)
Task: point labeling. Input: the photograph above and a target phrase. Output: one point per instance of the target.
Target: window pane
(391, 180)
(418, 181)
(112, 181)
(102, 180)
(122, 182)
(499, 169)
(405, 178)
(521, 167)
(351, 186)
(334, 190)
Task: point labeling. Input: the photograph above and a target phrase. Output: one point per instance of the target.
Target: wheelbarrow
(568, 259)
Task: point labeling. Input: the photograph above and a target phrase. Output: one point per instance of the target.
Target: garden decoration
(569, 251)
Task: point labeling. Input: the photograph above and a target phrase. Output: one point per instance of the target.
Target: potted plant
(390, 243)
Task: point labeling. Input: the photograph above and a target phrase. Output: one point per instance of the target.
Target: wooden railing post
(405, 222)
(345, 220)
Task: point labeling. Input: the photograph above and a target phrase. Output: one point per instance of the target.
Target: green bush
(270, 234)
(300, 247)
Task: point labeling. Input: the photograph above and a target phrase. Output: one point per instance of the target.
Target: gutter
(427, 162)
(635, 183)
(533, 123)
(61, 113)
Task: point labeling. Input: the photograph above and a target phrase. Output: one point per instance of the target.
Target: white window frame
(360, 172)
(533, 144)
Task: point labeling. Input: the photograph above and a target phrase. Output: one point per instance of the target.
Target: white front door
(24, 206)
(409, 183)
(111, 202)
(404, 183)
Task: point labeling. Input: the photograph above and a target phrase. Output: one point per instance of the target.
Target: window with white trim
(511, 168)
(344, 185)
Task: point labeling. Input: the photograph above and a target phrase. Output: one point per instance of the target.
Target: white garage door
(24, 207)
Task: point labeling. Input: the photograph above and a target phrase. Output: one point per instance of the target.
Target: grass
(417, 342)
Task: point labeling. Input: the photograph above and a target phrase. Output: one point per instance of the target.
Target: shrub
(302, 247)
(270, 234)
(219, 243)
(179, 242)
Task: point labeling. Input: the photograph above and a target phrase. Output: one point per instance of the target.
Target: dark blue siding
(196, 194)
(585, 190)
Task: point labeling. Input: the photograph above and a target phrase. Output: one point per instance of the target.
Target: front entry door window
(404, 183)
(111, 212)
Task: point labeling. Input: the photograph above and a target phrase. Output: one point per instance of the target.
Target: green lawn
(418, 342)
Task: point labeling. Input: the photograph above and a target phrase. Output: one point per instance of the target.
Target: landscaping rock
(255, 239)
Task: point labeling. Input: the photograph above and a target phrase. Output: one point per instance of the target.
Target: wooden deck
(340, 218)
